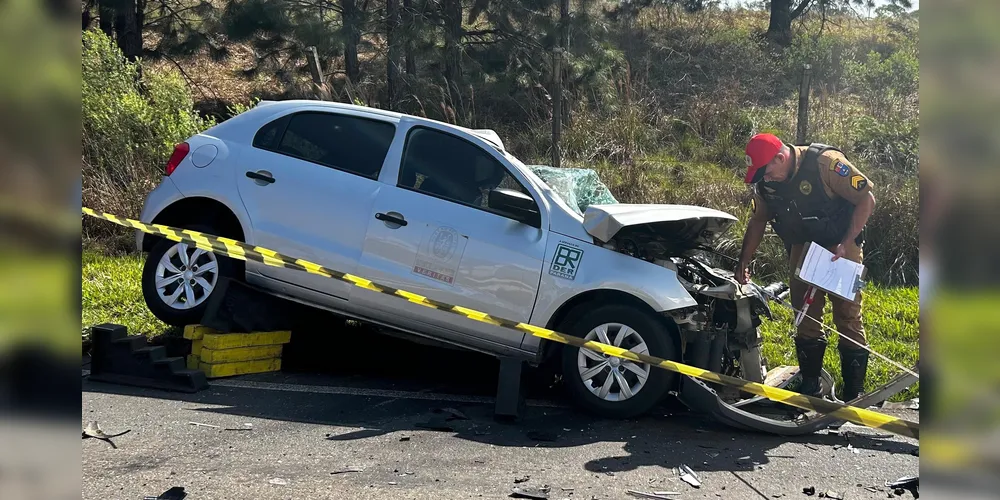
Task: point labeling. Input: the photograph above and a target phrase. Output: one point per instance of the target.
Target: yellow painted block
(235, 340)
(216, 370)
(196, 347)
(241, 354)
(193, 362)
(196, 332)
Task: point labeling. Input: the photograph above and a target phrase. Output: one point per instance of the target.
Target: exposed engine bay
(721, 333)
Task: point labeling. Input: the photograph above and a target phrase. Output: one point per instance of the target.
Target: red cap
(760, 151)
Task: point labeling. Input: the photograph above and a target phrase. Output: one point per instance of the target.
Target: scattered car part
(93, 430)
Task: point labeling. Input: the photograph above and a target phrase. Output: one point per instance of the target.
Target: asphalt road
(298, 432)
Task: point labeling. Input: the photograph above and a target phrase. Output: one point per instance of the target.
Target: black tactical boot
(854, 368)
(810, 355)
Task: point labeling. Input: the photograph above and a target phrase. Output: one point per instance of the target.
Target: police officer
(812, 193)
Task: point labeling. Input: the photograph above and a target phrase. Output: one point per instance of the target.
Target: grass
(111, 293)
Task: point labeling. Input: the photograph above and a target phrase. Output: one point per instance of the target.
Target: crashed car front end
(721, 332)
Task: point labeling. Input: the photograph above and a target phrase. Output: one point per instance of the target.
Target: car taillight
(180, 151)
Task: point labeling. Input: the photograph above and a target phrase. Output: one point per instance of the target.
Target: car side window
(349, 143)
(446, 166)
(268, 135)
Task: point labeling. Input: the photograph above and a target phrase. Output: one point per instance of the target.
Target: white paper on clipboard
(841, 277)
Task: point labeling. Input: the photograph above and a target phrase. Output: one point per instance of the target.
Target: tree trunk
(410, 53)
(564, 72)
(106, 12)
(453, 49)
(351, 32)
(392, 64)
(127, 30)
(779, 30)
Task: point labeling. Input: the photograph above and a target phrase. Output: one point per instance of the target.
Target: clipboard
(843, 277)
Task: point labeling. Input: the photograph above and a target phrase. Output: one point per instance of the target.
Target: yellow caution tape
(243, 251)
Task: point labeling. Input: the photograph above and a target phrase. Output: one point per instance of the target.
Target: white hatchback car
(447, 212)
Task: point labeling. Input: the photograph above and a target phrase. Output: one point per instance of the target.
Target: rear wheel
(178, 279)
(609, 386)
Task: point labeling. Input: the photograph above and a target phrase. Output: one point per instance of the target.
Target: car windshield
(578, 188)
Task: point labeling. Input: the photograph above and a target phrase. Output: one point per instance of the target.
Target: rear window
(349, 143)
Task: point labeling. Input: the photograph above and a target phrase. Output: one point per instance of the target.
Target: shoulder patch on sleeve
(841, 169)
(858, 182)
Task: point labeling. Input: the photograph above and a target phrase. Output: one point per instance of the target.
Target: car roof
(486, 134)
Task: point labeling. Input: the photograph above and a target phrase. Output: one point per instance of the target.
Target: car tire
(645, 329)
(156, 270)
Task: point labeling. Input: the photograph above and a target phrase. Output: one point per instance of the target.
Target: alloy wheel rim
(608, 377)
(186, 276)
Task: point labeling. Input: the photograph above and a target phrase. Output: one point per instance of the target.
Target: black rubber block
(118, 358)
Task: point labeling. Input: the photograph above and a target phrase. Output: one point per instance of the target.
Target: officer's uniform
(816, 203)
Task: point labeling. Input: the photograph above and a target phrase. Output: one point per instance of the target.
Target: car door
(432, 232)
(309, 183)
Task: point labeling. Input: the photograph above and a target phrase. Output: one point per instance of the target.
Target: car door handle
(391, 218)
(261, 177)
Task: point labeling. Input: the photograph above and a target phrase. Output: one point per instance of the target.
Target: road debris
(175, 493)
(833, 495)
(348, 469)
(199, 424)
(278, 481)
(404, 438)
(811, 447)
(809, 490)
(643, 494)
(528, 492)
(913, 404)
(93, 430)
(909, 483)
(689, 477)
(522, 479)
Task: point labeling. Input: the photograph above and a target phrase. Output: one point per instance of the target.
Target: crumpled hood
(692, 224)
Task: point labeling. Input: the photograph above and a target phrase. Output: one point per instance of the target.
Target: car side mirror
(516, 205)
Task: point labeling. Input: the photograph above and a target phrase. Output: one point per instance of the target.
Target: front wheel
(609, 386)
(178, 279)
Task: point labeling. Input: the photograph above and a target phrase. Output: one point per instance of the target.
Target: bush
(887, 86)
(132, 117)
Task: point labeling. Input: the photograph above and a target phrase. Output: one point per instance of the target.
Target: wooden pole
(803, 120)
(314, 67)
(556, 104)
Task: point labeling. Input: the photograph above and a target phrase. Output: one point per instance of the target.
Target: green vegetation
(112, 294)
(659, 101)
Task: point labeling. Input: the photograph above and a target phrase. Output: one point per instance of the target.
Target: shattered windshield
(578, 187)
